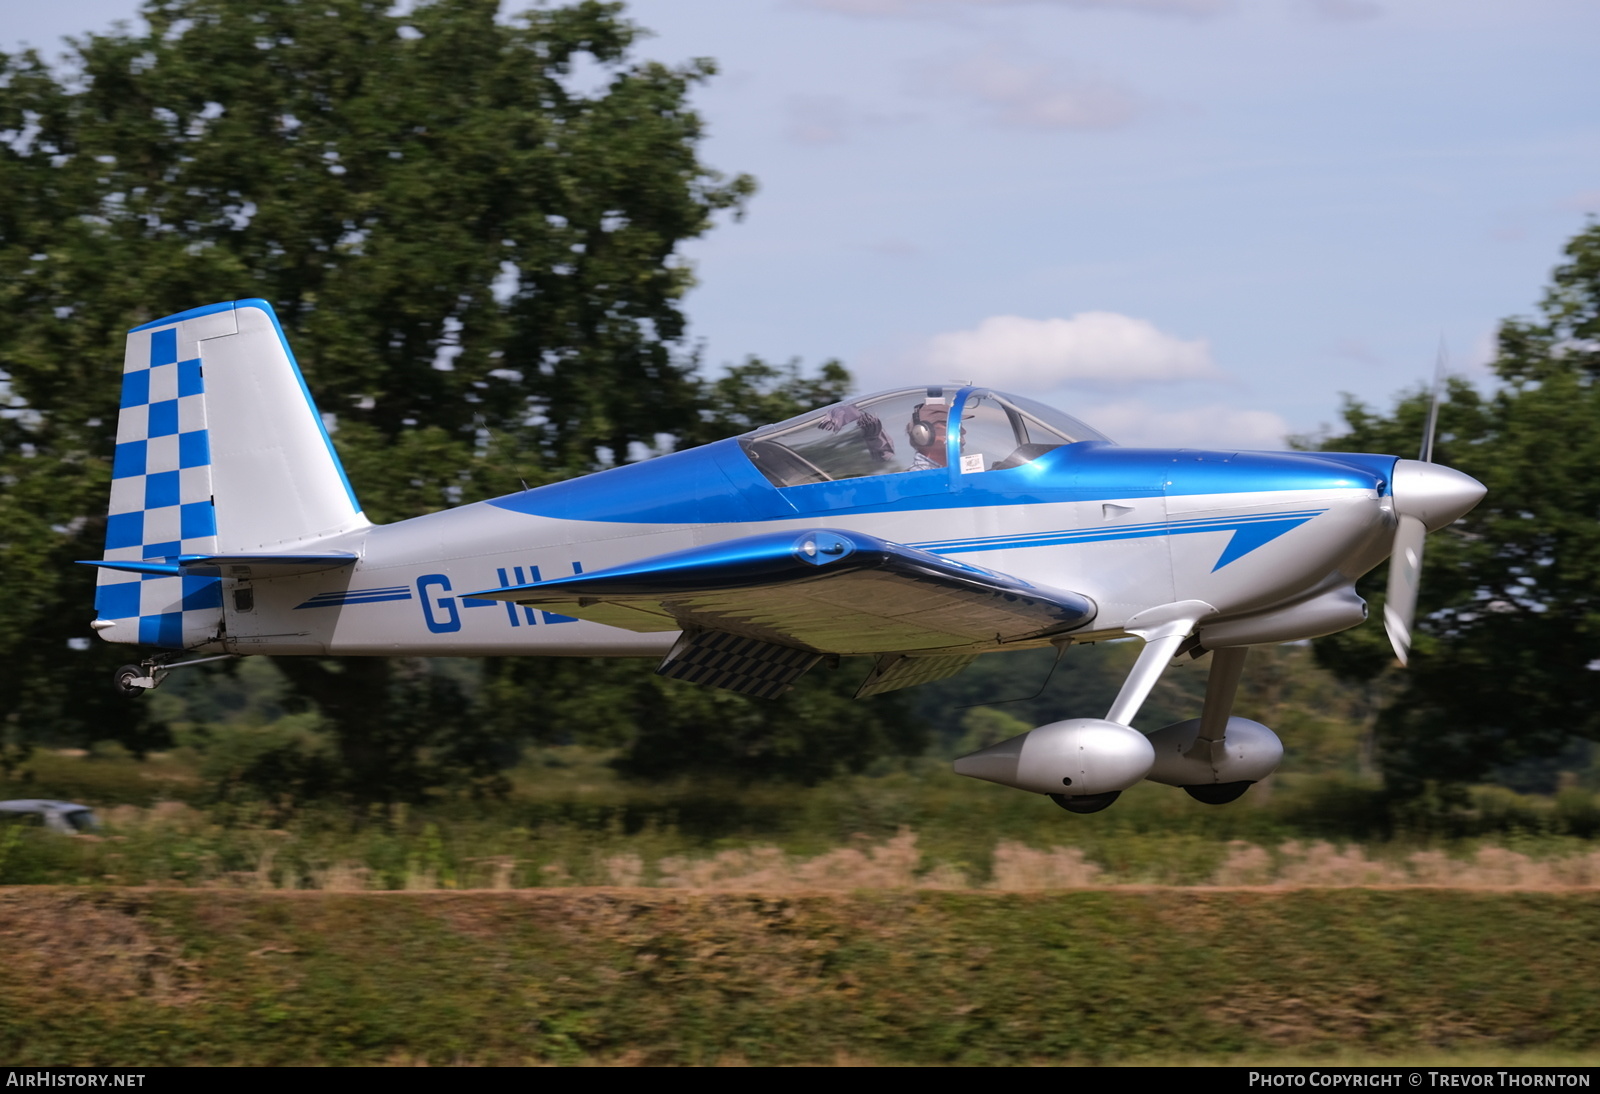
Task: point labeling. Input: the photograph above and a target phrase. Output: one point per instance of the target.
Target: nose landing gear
(1085, 803)
(1218, 793)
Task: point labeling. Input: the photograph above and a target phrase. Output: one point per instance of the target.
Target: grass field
(569, 821)
(907, 917)
(123, 977)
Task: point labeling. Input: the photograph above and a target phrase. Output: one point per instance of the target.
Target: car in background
(67, 817)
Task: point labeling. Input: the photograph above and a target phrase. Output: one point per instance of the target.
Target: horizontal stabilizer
(260, 566)
(822, 590)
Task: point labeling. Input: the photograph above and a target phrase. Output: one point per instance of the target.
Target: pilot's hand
(874, 437)
(840, 416)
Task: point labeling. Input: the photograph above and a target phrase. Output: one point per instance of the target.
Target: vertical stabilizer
(220, 450)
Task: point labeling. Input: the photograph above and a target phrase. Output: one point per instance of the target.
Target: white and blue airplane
(868, 528)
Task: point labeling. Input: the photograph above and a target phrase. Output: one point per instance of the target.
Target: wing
(823, 591)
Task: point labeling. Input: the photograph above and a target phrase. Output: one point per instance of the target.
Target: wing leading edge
(822, 590)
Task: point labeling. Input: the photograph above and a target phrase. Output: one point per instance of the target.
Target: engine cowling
(1247, 753)
(1075, 757)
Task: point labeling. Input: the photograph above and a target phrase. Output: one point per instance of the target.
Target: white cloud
(1028, 92)
(1218, 426)
(1192, 8)
(1584, 201)
(1095, 348)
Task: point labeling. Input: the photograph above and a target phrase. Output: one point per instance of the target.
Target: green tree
(478, 265)
(1509, 616)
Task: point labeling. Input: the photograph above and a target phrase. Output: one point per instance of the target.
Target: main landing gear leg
(1163, 630)
(1227, 665)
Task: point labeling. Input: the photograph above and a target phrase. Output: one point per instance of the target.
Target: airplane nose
(1434, 494)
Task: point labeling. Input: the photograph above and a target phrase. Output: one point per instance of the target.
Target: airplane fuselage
(920, 526)
(1272, 541)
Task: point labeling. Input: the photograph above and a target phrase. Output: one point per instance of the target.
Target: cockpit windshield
(908, 430)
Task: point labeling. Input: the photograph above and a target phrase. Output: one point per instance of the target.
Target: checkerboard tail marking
(219, 449)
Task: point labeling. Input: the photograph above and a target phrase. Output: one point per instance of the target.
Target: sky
(1187, 222)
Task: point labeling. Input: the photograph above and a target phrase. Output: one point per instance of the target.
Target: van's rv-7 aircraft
(866, 528)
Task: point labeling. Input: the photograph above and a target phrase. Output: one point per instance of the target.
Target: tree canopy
(471, 230)
(1506, 666)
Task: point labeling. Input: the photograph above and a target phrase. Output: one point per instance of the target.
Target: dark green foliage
(1510, 608)
(401, 728)
(403, 189)
(669, 728)
(809, 734)
(755, 393)
(478, 266)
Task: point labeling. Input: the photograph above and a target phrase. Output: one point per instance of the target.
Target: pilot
(927, 431)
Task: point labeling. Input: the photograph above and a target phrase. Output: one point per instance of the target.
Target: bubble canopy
(907, 430)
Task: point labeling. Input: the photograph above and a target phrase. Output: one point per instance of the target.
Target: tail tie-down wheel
(127, 680)
(131, 680)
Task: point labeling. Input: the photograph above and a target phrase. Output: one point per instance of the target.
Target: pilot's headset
(921, 433)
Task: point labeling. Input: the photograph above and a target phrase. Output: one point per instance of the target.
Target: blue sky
(1185, 221)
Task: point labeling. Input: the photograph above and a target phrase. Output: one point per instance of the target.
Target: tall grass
(571, 822)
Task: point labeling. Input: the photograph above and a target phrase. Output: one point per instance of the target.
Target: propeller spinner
(1427, 497)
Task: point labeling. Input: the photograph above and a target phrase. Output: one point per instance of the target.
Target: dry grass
(890, 865)
(1323, 865)
(173, 844)
(1018, 867)
(95, 945)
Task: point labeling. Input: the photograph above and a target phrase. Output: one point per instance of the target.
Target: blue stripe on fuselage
(716, 484)
(1249, 532)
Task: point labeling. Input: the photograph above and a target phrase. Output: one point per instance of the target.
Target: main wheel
(123, 680)
(1218, 793)
(1085, 803)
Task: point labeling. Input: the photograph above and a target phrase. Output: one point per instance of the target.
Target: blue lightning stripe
(1249, 532)
(348, 597)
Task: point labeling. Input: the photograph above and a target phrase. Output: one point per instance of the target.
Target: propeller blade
(1426, 452)
(1405, 577)
(1405, 560)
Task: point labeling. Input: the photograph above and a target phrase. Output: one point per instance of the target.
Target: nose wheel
(1218, 793)
(1085, 803)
